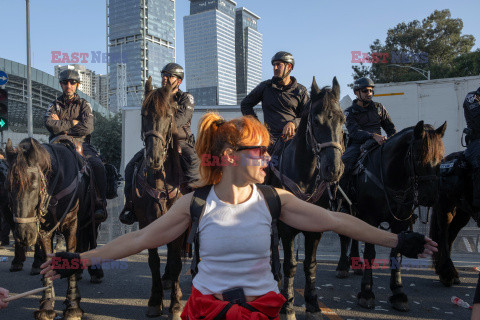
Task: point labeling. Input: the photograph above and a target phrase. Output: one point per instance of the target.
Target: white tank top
(235, 246)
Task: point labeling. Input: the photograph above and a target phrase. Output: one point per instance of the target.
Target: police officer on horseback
(365, 119)
(471, 108)
(172, 73)
(73, 116)
(283, 99)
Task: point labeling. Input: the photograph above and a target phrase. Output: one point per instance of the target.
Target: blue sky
(320, 34)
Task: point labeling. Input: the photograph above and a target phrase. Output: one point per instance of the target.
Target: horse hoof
(16, 267)
(154, 311)
(358, 272)
(96, 280)
(73, 314)
(314, 316)
(399, 302)
(35, 271)
(287, 316)
(44, 314)
(341, 274)
(366, 303)
(446, 282)
(175, 316)
(456, 280)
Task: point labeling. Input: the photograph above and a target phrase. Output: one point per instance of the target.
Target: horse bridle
(413, 178)
(153, 192)
(45, 196)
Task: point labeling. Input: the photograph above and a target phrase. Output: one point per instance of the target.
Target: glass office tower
(210, 52)
(141, 35)
(248, 52)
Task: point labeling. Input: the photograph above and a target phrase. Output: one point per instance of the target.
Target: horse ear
(11, 151)
(148, 85)
(31, 152)
(336, 88)
(419, 130)
(315, 88)
(441, 130)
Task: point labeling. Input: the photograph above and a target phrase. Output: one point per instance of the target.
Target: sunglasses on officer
(65, 82)
(257, 151)
(366, 90)
(168, 75)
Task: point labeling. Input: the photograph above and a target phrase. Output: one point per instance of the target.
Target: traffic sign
(3, 78)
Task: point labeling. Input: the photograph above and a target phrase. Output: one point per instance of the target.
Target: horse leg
(399, 299)
(155, 303)
(39, 258)
(72, 301)
(19, 258)
(343, 265)
(355, 256)
(96, 274)
(459, 221)
(47, 302)
(167, 278)
(310, 269)
(366, 297)
(287, 235)
(174, 256)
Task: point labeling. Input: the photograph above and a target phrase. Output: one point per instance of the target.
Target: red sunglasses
(260, 150)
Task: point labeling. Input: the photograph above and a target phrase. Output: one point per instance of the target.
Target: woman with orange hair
(235, 227)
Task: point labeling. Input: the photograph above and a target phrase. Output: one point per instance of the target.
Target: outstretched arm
(309, 217)
(162, 231)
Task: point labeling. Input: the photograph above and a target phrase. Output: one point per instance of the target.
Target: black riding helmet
(174, 69)
(363, 83)
(284, 57)
(69, 75)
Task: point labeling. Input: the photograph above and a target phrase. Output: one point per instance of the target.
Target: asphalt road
(124, 292)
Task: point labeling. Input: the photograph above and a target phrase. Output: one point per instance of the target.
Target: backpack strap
(197, 207)
(274, 206)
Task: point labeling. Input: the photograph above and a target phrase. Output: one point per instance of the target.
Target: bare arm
(309, 217)
(162, 231)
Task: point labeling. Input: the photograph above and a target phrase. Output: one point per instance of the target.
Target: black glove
(410, 244)
(67, 264)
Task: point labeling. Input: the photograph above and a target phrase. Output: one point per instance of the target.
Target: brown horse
(156, 186)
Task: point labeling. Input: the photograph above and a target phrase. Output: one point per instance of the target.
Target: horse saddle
(365, 149)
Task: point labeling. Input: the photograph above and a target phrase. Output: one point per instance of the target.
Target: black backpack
(197, 207)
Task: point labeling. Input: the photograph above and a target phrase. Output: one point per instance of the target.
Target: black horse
(5, 212)
(155, 187)
(451, 212)
(48, 193)
(308, 165)
(394, 179)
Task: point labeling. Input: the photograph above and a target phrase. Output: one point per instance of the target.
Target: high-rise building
(142, 36)
(248, 52)
(87, 81)
(101, 87)
(210, 72)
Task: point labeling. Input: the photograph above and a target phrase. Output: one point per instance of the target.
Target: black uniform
(77, 109)
(280, 104)
(188, 159)
(471, 108)
(361, 124)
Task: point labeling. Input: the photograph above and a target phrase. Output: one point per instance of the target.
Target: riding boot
(100, 211)
(127, 216)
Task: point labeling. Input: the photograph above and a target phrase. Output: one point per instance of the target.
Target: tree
(107, 138)
(438, 38)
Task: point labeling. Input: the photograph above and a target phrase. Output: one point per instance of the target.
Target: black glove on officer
(69, 264)
(410, 244)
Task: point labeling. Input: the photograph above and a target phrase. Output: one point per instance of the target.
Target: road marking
(467, 244)
(329, 313)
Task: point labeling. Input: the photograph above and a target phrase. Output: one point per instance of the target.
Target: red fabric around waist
(207, 307)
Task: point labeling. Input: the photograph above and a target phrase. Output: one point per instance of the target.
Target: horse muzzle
(26, 233)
